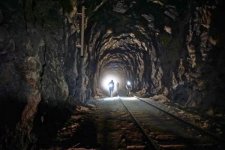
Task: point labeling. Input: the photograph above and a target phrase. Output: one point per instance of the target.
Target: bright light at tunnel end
(105, 81)
(120, 98)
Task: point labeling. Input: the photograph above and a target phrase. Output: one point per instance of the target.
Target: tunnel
(57, 58)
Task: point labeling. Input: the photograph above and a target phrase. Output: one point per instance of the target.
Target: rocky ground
(100, 126)
(210, 121)
(106, 125)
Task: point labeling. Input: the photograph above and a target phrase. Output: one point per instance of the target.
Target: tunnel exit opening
(106, 77)
(120, 77)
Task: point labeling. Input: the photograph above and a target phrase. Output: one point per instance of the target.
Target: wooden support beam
(78, 46)
(81, 44)
(82, 31)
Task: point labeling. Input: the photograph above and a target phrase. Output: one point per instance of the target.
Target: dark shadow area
(48, 121)
(85, 136)
(10, 111)
(106, 142)
(10, 115)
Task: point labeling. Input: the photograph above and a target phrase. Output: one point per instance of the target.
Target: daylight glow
(110, 98)
(128, 98)
(105, 81)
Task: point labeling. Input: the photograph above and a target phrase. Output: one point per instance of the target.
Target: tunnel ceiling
(158, 44)
(122, 33)
(119, 35)
(171, 50)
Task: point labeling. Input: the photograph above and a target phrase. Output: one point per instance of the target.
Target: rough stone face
(120, 7)
(173, 49)
(21, 80)
(32, 75)
(54, 87)
(166, 48)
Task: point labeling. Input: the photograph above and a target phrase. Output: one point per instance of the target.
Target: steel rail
(185, 122)
(150, 142)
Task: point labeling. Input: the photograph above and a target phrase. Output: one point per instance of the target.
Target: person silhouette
(128, 87)
(111, 88)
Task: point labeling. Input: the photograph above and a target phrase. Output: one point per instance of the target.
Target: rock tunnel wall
(173, 48)
(41, 72)
(189, 61)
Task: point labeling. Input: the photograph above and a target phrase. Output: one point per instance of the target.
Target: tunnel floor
(105, 124)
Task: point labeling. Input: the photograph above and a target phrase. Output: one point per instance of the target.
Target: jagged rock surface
(163, 47)
(34, 81)
(174, 49)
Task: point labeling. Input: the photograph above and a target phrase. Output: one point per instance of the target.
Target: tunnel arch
(130, 46)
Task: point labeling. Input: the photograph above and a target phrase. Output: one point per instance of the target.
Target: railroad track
(163, 130)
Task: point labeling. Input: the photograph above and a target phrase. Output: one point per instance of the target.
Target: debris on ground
(203, 122)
